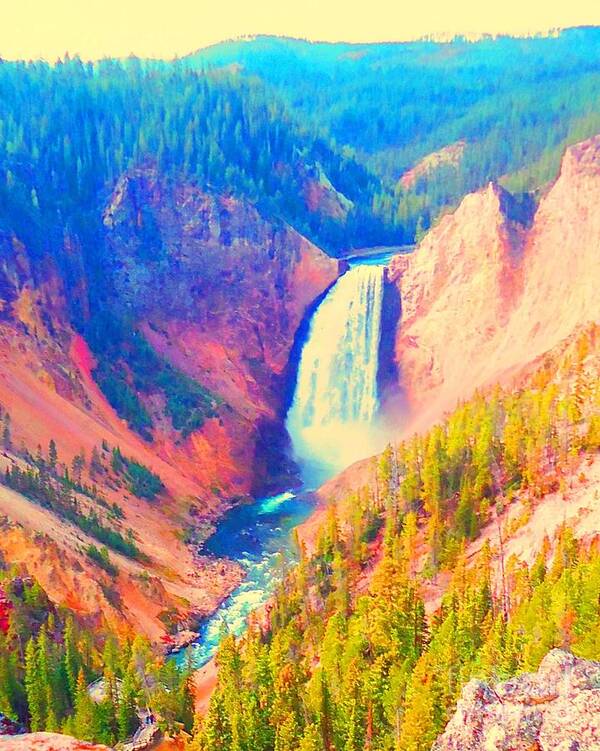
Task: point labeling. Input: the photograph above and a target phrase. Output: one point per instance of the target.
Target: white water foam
(331, 419)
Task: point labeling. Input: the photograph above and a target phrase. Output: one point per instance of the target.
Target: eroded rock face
(47, 742)
(491, 287)
(555, 709)
(456, 293)
(219, 292)
(233, 291)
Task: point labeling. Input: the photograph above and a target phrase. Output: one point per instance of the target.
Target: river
(335, 400)
(258, 537)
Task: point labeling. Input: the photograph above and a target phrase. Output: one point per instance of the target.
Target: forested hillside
(67, 132)
(272, 119)
(48, 659)
(372, 637)
(516, 103)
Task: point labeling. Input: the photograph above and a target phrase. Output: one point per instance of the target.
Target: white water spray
(335, 401)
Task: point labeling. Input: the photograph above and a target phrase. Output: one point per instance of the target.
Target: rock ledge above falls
(555, 709)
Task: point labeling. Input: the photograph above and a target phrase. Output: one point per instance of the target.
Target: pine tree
(418, 730)
(34, 688)
(96, 467)
(6, 432)
(52, 454)
(216, 731)
(78, 465)
(9, 679)
(71, 658)
(84, 720)
(47, 676)
(127, 720)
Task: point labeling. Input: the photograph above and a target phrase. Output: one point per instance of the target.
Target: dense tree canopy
(48, 659)
(515, 102)
(349, 660)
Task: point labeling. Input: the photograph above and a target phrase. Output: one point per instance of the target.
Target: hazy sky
(164, 28)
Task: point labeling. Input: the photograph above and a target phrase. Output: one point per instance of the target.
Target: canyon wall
(491, 289)
(221, 296)
(492, 286)
(219, 293)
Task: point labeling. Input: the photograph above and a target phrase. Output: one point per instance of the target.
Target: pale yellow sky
(164, 28)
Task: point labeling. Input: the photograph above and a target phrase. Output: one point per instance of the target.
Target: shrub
(101, 557)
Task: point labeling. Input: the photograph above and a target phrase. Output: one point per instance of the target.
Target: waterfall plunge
(335, 401)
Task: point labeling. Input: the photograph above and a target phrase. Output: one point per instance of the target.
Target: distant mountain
(273, 120)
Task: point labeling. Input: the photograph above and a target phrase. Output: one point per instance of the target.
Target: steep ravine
(232, 291)
(335, 396)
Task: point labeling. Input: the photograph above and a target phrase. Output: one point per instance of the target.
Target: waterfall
(335, 402)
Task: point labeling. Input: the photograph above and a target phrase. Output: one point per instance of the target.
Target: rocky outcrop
(555, 709)
(320, 195)
(47, 742)
(448, 156)
(234, 289)
(491, 287)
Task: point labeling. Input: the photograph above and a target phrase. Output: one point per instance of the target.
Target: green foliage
(349, 659)
(102, 558)
(128, 368)
(112, 379)
(141, 481)
(47, 661)
(516, 103)
(70, 130)
(359, 114)
(47, 490)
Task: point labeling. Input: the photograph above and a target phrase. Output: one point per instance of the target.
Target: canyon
(223, 296)
(299, 397)
(221, 304)
(483, 295)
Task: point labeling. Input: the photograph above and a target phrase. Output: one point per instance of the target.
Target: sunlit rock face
(492, 286)
(332, 419)
(555, 709)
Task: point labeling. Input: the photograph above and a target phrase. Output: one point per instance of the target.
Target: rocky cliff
(218, 293)
(233, 290)
(493, 285)
(555, 709)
